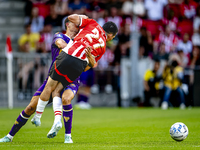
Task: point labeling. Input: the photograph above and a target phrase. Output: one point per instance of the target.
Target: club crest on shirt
(59, 35)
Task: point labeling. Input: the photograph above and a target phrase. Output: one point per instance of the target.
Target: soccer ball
(179, 131)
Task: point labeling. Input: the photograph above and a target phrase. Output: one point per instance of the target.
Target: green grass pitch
(107, 129)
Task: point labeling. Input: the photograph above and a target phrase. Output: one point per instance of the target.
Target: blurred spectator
(28, 8)
(96, 5)
(194, 62)
(103, 74)
(54, 19)
(195, 57)
(185, 45)
(25, 83)
(98, 17)
(168, 38)
(161, 53)
(153, 85)
(36, 21)
(183, 58)
(125, 41)
(146, 42)
(44, 46)
(114, 17)
(61, 7)
(196, 23)
(171, 20)
(196, 38)
(127, 7)
(188, 9)
(113, 3)
(77, 7)
(46, 39)
(155, 9)
(43, 6)
(173, 76)
(28, 37)
(138, 8)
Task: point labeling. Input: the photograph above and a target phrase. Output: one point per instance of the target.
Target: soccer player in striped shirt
(73, 60)
(59, 41)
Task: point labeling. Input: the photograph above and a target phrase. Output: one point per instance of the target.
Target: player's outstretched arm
(60, 43)
(75, 18)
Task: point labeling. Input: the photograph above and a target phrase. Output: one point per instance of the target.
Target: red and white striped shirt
(92, 35)
(169, 41)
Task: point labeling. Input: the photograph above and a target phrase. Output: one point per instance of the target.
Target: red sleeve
(98, 57)
(99, 53)
(84, 22)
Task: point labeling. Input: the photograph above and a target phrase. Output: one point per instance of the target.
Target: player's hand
(90, 57)
(88, 52)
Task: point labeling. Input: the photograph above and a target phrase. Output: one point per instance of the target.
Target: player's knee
(66, 100)
(55, 93)
(30, 109)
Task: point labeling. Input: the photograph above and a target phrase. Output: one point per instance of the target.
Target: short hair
(157, 60)
(66, 21)
(110, 28)
(27, 25)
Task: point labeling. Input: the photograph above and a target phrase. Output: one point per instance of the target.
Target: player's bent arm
(75, 18)
(60, 43)
(88, 67)
(90, 57)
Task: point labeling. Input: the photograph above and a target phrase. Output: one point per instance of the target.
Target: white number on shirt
(95, 36)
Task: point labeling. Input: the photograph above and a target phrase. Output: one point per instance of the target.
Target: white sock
(57, 108)
(9, 136)
(40, 108)
(68, 135)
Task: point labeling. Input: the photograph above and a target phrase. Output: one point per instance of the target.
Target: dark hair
(174, 63)
(143, 28)
(110, 27)
(27, 25)
(66, 21)
(156, 60)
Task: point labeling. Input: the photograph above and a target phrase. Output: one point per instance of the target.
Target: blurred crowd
(169, 35)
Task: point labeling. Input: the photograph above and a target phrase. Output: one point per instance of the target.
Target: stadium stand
(11, 22)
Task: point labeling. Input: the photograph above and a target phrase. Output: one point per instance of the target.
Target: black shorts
(67, 68)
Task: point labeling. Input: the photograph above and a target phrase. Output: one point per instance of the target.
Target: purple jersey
(54, 48)
(55, 52)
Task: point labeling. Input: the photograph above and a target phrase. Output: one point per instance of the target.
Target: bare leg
(49, 88)
(43, 100)
(21, 119)
(30, 109)
(25, 73)
(57, 90)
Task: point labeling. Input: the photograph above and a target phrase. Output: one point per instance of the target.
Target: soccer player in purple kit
(59, 42)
